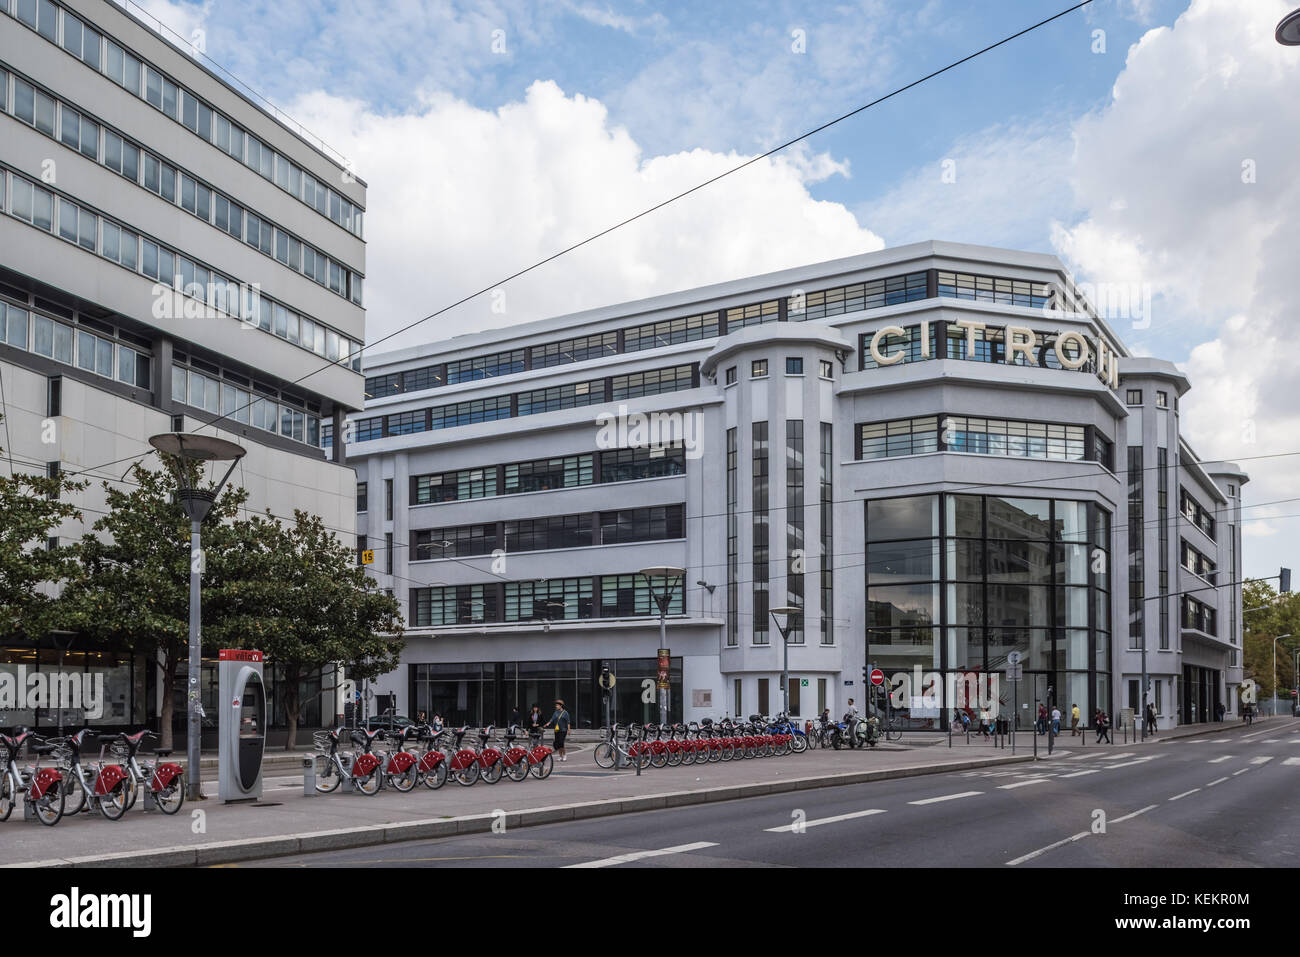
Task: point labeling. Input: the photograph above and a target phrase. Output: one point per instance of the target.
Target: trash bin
(1003, 726)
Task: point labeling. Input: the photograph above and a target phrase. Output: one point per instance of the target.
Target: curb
(252, 849)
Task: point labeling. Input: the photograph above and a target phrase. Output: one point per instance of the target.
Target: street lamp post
(190, 449)
(672, 577)
(789, 613)
(1273, 681)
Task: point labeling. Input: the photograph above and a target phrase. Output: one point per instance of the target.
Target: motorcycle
(856, 732)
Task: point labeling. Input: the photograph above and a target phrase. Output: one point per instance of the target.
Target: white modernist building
(939, 452)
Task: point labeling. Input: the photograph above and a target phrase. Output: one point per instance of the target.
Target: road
(1221, 800)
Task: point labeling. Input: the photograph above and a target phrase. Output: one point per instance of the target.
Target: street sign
(1015, 672)
(1014, 658)
(368, 557)
(877, 677)
(803, 682)
(607, 681)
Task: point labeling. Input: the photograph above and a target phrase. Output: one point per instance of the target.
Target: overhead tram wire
(667, 202)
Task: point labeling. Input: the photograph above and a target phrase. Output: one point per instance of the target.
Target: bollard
(950, 734)
(308, 777)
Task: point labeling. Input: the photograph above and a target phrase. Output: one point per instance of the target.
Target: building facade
(169, 253)
(939, 452)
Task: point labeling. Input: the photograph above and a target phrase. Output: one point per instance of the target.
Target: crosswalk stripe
(826, 820)
(1218, 760)
(1292, 761)
(946, 797)
(1262, 759)
(640, 855)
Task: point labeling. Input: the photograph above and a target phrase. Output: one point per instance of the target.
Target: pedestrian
(560, 721)
(514, 716)
(1056, 721)
(436, 723)
(1220, 710)
(1103, 727)
(1074, 720)
(535, 725)
(1041, 724)
(1150, 718)
(985, 722)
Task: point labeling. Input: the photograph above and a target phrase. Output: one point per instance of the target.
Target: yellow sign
(368, 557)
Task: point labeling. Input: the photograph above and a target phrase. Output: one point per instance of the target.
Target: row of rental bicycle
(670, 745)
(73, 780)
(404, 758)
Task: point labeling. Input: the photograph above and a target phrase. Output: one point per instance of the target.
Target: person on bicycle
(560, 721)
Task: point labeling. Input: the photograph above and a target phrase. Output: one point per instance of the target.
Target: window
(630, 596)
(759, 526)
(1162, 400)
(794, 365)
(556, 531)
(571, 395)
(574, 350)
(652, 382)
(453, 605)
(825, 369)
(670, 332)
(549, 600)
(900, 437)
(78, 132)
(642, 524)
(388, 499)
(731, 376)
(1232, 491)
(758, 369)
(33, 107)
(1008, 292)
(1134, 397)
(121, 157)
(454, 486)
(545, 474)
(752, 315)
(627, 465)
(858, 297)
(362, 497)
(78, 226)
(13, 328)
(733, 544)
(484, 367)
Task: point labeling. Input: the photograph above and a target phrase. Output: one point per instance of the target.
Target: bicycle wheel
(604, 755)
(132, 789)
(726, 752)
(113, 804)
(404, 781)
(170, 798)
(329, 779)
(543, 768)
(674, 758)
(659, 758)
(466, 776)
(89, 777)
(370, 783)
(492, 773)
(437, 777)
(688, 757)
(49, 806)
(799, 743)
(6, 797)
(518, 771)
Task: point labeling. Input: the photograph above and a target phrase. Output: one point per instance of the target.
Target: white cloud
(1163, 174)
(459, 197)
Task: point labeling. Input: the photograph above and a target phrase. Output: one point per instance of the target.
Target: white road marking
(1270, 741)
(946, 797)
(1294, 741)
(1020, 784)
(1242, 771)
(1043, 850)
(1123, 764)
(1126, 817)
(1088, 754)
(1262, 759)
(1079, 774)
(825, 820)
(1247, 737)
(1218, 760)
(1292, 761)
(640, 855)
(1177, 797)
(1216, 781)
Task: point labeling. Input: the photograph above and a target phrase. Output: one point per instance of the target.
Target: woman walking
(560, 721)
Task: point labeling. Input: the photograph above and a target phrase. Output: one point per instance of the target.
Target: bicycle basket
(321, 741)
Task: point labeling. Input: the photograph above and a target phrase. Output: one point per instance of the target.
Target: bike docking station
(241, 741)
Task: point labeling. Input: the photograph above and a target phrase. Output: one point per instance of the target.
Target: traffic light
(1284, 581)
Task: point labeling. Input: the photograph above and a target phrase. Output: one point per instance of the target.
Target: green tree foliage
(134, 590)
(298, 594)
(1274, 615)
(32, 507)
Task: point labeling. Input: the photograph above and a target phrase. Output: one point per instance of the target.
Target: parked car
(376, 721)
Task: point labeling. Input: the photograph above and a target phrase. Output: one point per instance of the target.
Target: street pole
(195, 696)
(671, 576)
(788, 612)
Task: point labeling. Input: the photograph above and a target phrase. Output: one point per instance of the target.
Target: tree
(31, 508)
(1272, 615)
(134, 589)
(297, 593)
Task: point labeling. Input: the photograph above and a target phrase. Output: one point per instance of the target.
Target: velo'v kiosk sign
(242, 726)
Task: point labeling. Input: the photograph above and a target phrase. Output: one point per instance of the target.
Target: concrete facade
(1018, 451)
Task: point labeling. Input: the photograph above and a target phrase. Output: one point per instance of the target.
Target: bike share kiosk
(242, 726)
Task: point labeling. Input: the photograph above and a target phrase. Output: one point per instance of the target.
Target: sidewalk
(287, 822)
(1087, 737)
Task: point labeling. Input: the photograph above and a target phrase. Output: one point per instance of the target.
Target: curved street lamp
(196, 502)
(671, 576)
(1288, 29)
(790, 613)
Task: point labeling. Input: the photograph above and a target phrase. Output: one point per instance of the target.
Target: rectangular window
(540, 475)
(793, 365)
(731, 376)
(574, 350)
(759, 527)
(1162, 400)
(628, 465)
(758, 369)
(670, 332)
(825, 369)
(1134, 397)
(733, 543)
(388, 499)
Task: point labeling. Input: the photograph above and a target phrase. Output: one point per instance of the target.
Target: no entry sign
(877, 677)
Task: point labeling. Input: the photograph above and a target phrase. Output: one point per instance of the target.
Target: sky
(1150, 144)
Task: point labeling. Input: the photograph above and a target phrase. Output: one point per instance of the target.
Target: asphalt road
(1222, 800)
